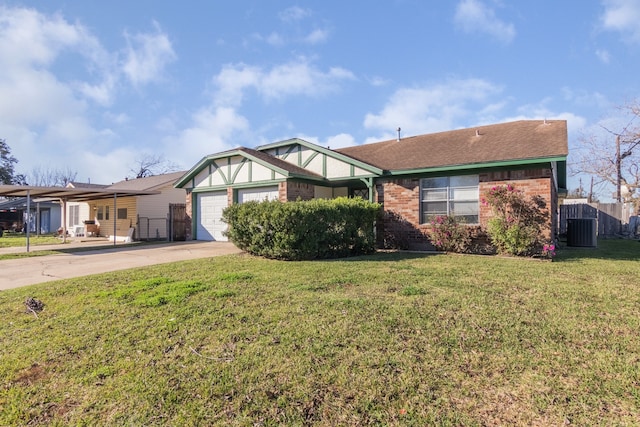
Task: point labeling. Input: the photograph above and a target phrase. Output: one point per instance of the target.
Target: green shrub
(449, 235)
(518, 222)
(303, 229)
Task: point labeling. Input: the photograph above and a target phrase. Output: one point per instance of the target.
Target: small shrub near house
(518, 222)
(303, 229)
(449, 234)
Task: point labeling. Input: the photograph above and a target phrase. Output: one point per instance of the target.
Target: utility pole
(618, 171)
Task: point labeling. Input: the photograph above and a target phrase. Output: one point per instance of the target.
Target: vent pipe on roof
(398, 134)
(477, 132)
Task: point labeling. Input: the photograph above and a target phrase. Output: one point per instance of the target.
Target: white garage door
(257, 194)
(210, 225)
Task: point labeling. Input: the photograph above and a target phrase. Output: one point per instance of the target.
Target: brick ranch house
(413, 177)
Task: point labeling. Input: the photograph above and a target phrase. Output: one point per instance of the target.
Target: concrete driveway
(15, 273)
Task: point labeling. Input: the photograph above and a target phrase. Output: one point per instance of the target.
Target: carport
(66, 194)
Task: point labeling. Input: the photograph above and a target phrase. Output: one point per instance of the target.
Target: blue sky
(92, 86)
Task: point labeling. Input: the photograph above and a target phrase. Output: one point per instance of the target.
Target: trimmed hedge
(303, 230)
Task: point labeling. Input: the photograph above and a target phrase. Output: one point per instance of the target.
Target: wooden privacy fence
(177, 221)
(612, 218)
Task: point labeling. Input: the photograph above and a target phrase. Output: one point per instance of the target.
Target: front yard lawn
(389, 339)
(19, 239)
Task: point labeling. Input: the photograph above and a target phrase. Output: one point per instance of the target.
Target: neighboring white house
(146, 214)
(78, 212)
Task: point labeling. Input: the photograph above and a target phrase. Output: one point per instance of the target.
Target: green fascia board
(562, 175)
(327, 151)
(256, 184)
(474, 166)
(205, 161)
(268, 165)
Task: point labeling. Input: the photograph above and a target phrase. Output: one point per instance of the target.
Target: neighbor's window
(103, 213)
(122, 213)
(451, 195)
(74, 215)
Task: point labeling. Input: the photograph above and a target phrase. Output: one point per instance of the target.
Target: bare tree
(612, 154)
(152, 164)
(48, 177)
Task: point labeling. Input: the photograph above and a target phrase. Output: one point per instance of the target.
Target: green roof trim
(487, 165)
(256, 184)
(326, 151)
(211, 160)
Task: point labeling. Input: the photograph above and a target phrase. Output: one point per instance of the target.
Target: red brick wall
(291, 191)
(533, 182)
(401, 199)
(189, 214)
(400, 226)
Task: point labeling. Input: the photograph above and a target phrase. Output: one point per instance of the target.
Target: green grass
(10, 240)
(390, 339)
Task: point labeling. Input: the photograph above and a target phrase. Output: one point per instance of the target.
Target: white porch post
(28, 216)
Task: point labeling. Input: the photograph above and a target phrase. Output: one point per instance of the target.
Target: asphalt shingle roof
(519, 140)
(146, 184)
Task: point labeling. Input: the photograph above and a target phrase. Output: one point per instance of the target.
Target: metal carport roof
(66, 194)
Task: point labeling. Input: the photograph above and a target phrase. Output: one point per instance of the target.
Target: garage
(211, 204)
(209, 210)
(258, 194)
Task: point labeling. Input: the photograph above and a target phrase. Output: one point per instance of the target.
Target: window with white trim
(74, 215)
(450, 195)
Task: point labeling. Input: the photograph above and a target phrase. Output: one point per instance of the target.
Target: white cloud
(603, 55)
(301, 78)
(473, 16)
(377, 81)
(340, 140)
(432, 108)
(147, 56)
(582, 98)
(212, 130)
(290, 79)
(275, 39)
(294, 13)
(54, 75)
(232, 82)
(105, 167)
(30, 38)
(317, 36)
(622, 16)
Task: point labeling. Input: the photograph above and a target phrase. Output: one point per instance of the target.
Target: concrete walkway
(99, 257)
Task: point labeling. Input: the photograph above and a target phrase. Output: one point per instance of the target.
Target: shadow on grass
(96, 250)
(607, 249)
(83, 250)
(384, 256)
